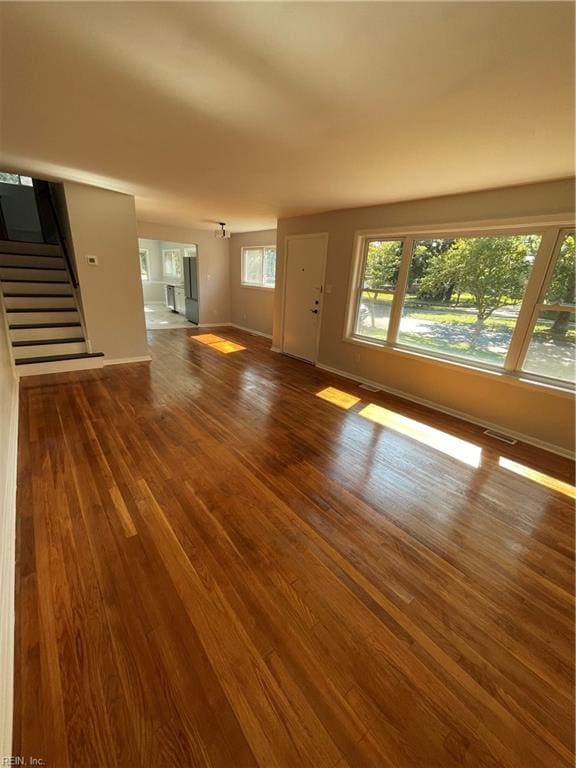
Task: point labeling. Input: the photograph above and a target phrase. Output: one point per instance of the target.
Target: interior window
(144, 266)
(259, 266)
(172, 263)
(15, 178)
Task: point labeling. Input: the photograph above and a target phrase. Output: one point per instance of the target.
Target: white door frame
(284, 274)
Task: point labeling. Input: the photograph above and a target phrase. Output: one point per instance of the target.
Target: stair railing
(66, 253)
(63, 242)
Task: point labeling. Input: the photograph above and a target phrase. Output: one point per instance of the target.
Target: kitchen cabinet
(170, 297)
(180, 299)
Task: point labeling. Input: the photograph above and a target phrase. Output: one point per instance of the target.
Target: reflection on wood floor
(230, 558)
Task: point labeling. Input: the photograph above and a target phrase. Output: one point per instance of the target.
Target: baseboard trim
(251, 330)
(275, 349)
(212, 325)
(127, 360)
(550, 447)
(8, 585)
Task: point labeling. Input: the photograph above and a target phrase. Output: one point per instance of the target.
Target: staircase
(41, 310)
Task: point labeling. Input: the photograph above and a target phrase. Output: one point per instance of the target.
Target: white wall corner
(7, 585)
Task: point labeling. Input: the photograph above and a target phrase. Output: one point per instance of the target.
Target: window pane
(381, 269)
(9, 178)
(172, 260)
(464, 295)
(252, 266)
(269, 267)
(144, 265)
(168, 263)
(562, 286)
(552, 348)
(178, 264)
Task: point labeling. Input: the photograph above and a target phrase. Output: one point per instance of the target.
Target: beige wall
(103, 224)
(251, 308)
(540, 414)
(213, 267)
(8, 449)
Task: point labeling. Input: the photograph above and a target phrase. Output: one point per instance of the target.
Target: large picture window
(259, 267)
(472, 298)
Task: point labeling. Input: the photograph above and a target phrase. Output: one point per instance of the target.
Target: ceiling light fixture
(222, 233)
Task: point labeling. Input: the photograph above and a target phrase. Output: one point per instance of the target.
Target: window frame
(552, 230)
(540, 305)
(394, 319)
(258, 286)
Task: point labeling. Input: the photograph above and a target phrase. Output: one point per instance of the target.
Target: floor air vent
(369, 388)
(500, 436)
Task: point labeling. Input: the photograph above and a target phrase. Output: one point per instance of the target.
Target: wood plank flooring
(216, 567)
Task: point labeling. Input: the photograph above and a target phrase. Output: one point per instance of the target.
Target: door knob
(314, 311)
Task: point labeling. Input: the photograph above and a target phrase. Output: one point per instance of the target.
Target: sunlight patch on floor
(434, 438)
(338, 397)
(538, 477)
(227, 346)
(217, 342)
(207, 338)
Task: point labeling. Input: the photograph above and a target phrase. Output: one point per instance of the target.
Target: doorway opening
(169, 273)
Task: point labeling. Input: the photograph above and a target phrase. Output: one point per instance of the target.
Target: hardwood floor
(216, 567)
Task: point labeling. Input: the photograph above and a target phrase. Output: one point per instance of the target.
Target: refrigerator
(191, 288)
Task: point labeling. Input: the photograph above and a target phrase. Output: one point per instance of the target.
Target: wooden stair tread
(56, 358)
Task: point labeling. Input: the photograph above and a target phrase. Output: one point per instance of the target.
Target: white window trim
(256, 286)
(552, 229)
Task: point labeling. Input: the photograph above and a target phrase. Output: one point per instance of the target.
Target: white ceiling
(245, 112)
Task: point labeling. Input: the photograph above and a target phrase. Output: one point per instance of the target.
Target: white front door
(303, 294)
